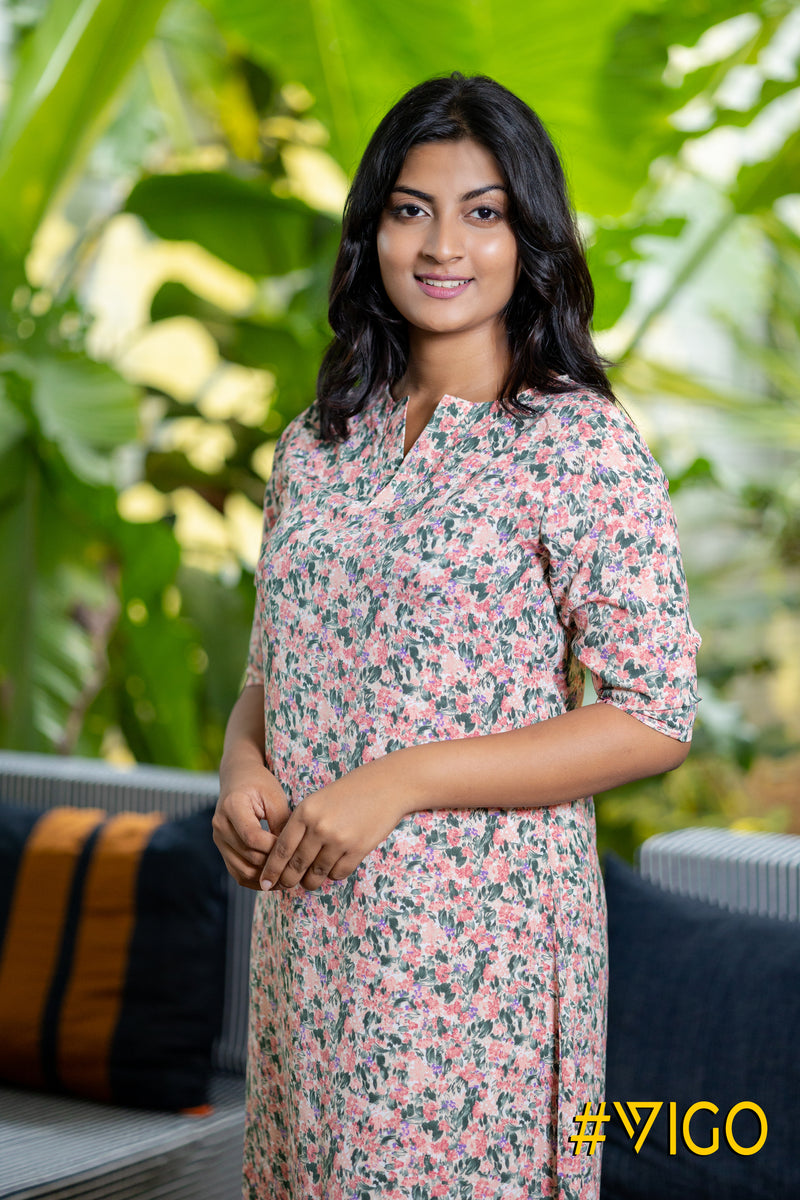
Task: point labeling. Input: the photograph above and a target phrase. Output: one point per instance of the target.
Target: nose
(444, 240)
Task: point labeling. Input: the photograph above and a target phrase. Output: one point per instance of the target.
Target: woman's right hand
(248, 796)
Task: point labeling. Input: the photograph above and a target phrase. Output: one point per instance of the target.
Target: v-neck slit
(451, 412)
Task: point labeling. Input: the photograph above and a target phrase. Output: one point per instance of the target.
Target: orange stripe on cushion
(33, 935)
(93, 998)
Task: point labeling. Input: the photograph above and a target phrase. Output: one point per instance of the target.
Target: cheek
(500, 255)
(500, 260)
(391, 251)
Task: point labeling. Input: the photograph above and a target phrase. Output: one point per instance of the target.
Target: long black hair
(548, 317)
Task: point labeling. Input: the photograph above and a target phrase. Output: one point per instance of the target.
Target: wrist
(439, 774)
(240, 759)
(412, 784)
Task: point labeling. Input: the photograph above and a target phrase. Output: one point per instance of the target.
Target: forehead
(461, 165)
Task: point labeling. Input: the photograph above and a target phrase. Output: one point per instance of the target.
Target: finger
(244, 840)
(243, 872)
(300, 861)
(283, 852)
(345, 866)
(247, 828)
(251, 859)
(228, 844)
(317, 872)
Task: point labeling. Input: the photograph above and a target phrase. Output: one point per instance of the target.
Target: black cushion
(703, 1005)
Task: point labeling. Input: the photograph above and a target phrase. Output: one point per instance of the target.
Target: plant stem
(679, 281)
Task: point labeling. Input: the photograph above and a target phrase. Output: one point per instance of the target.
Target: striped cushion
(112, 950)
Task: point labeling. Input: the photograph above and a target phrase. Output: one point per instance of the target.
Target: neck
(471, 364)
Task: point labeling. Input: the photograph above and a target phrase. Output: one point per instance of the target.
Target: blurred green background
(172, 176)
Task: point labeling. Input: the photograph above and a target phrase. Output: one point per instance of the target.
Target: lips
(437, 279)
(443, 287)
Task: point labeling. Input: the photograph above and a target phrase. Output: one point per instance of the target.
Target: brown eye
(486, 214)
(402, 210)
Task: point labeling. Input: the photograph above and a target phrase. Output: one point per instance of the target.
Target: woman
(461, 522)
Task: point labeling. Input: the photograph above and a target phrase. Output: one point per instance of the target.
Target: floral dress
(430, 1025)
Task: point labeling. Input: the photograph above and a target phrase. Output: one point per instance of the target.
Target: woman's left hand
(332, 830)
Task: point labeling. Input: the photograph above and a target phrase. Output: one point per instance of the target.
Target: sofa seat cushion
(67, 1149)
(703, 1006)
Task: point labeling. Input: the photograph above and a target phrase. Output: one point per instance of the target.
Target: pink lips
(443, 293)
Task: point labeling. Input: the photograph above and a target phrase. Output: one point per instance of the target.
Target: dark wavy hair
(549, 315)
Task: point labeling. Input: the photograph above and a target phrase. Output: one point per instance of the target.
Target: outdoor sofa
(704, 943)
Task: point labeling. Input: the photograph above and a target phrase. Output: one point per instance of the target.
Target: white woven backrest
(744, 871)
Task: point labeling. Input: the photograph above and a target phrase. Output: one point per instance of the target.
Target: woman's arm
(249, 793)
(244, 733)
(561, 759)
(564, 758)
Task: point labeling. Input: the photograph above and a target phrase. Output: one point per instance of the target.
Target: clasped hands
(326, 836)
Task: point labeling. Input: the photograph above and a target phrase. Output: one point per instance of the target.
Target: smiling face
(448, 257)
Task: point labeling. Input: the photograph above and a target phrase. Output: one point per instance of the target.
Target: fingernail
(265, 885)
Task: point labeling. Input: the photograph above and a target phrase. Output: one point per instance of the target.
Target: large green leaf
(13, 425)
(84, 407)
(49, 584)
(760, 184)
(240, 220)
(154, 677)
(354, 57)
(78, 400)
(79, 587)
(592, 71)
(69, 74)
(222, 616)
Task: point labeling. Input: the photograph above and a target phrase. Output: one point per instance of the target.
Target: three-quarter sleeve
(616, 574)
(254, 671)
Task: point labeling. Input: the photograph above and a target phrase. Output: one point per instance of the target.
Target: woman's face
(447, 255)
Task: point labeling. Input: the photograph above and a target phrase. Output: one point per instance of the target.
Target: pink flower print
(498, 868)
(489, 1005)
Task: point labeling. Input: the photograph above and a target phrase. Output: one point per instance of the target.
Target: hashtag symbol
(588, 1117)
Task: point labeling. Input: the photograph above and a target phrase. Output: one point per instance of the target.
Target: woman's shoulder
(579, 408)
(301, 430)
(307, 425)
(586, 427)
(295, 439)
(301, 446)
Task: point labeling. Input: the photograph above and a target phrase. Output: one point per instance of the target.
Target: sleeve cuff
(676, 723)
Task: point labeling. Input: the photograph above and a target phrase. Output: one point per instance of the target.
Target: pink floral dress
(430, 1026)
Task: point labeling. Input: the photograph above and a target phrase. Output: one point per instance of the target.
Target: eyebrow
(491, 187)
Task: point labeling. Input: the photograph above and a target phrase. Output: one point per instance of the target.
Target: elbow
(662, 751)
(669, 751)
(658, 752)
(676, 754)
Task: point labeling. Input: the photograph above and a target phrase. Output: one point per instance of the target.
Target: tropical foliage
(171, 181)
